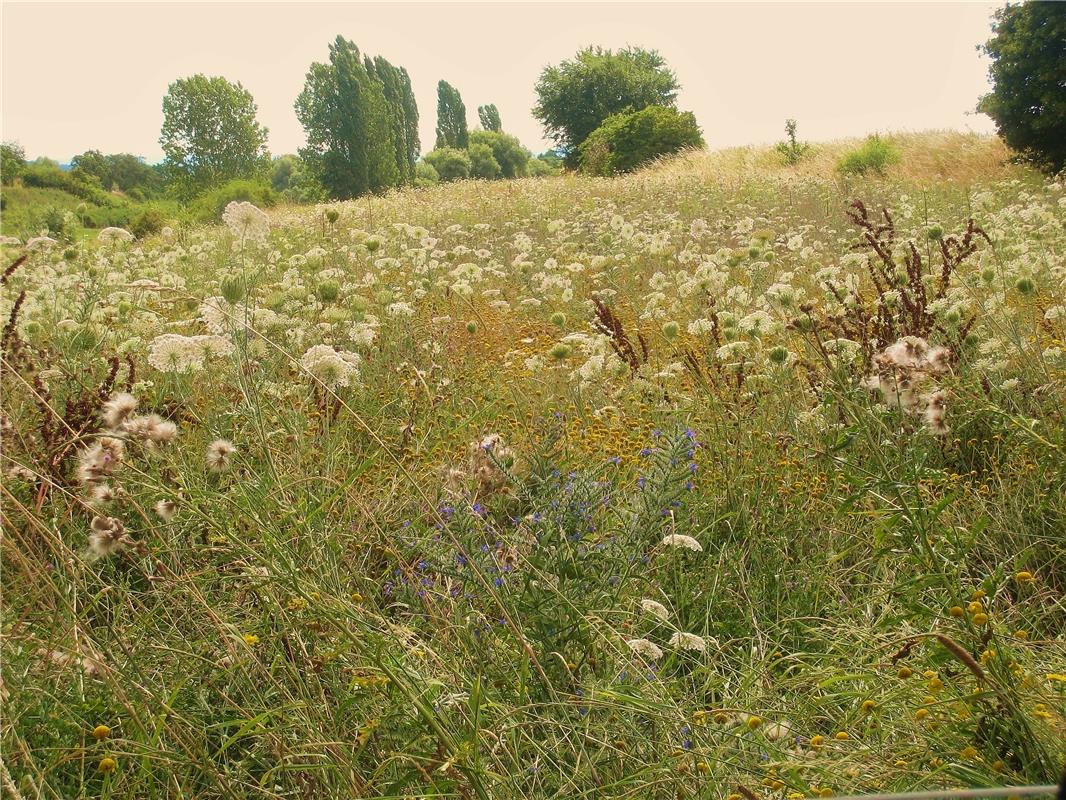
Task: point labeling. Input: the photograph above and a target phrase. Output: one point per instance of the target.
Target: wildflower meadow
(732, 477)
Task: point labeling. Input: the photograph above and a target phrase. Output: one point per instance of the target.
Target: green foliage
(450, 163)
(210, 134)
(577, 96)
(425, 174)
(482, 163)
(12, 162)
(1028, 73)
(630, 140)
(148, 222)
(873, 155)
(489, 116)
(792, 150)
(361, 123)
(506, 149)
(294, 182)
(122, 171)
(451, 118)
(44, 173)
(209, 206)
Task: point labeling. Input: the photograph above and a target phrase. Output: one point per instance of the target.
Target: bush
(425, 175)
(150, 221)
(482, 163)
(627, 141)
(506, 149)
(873, 155)
(208, 207)
(451, 164)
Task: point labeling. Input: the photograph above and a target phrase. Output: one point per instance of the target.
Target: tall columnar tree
(210, 134)
(357, 114)
(410, 112)
(1028, 72)
(575, 97)
(490, 118)
(451, 118)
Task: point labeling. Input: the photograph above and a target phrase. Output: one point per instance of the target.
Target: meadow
(723, 479)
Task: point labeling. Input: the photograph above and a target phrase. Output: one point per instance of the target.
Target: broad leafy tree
(575, 97)
(451, 118)
(210, 134)
(1028, 72)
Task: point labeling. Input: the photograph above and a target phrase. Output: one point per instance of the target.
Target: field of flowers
(723, 479)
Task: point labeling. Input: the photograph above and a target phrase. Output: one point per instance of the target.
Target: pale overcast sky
(79, 76)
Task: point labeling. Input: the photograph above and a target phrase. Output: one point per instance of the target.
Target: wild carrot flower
(688, 641)
(655, 608)
(681, 540)
(645, 648)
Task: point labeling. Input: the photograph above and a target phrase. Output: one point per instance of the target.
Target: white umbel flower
(246, 222)
(655, 608)
(688, 641)
(645, 648)
(680, 540)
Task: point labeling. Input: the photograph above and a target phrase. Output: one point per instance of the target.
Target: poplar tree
(490, 118)
(451, 118)
(358, 113)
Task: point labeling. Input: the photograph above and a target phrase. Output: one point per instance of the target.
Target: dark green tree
(1028, 73)
(410, 112)
(210, 134)
(355, 112)
(12, 161)
(575, 97)
(490, 118)
(451, 118)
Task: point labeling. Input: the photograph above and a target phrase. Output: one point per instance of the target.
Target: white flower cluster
(246, 222)
(335, 368)
(172, 352)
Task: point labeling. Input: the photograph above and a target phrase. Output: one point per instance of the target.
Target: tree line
(607, 111)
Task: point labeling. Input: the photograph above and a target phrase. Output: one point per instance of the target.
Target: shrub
(425, 175)
(451, 164)
(507, 150)
(208, 207)
(627, 141)
(482, 163)
(873, 155)
(150, 221)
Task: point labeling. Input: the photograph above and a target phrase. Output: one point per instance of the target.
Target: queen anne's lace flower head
(335, 368)
(681, 540)
(246, 222)
(645, 648)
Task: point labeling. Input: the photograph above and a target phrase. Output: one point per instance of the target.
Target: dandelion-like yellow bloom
(101, 732)
(250, 639)
(107, 765)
